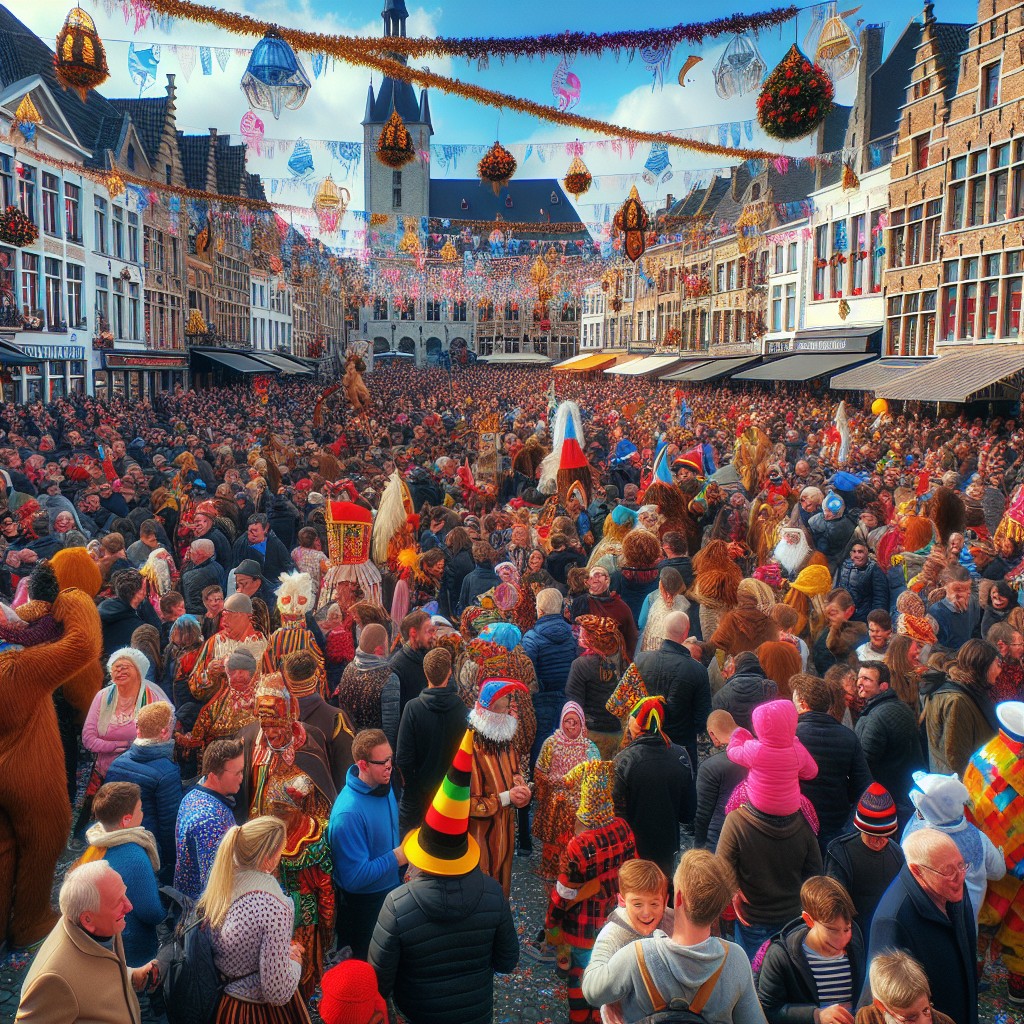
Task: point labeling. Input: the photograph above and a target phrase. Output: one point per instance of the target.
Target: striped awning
(873, 375)
(957, 374)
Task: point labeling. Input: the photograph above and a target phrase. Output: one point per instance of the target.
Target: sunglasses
(380, 764)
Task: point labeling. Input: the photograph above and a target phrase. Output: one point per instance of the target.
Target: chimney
(669, 201)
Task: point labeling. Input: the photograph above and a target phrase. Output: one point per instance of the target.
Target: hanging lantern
(633, 220)
(26, 117)
(410, 243)
(797, 96)
(577, 179)
(449, 254)
(79, 61)
(196, 324)
(329, 205)
(114, 184)
(395, 147)
(497, 166)
(274, 78)
(837, 51)
(740, 68)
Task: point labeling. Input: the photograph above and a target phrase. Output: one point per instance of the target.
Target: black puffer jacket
(683, 681)
(437, 944)
(786, 985)
(747, 688)
(888, 735)
(843, 773)
(592, 680)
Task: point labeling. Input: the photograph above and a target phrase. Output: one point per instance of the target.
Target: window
(949, 313)
(54, 303)
(731, 275)
(957, 193)
(118, 323)
(838, 258)
(396, 190)
(51, 204)
(134, 318)
(791, 306)
(990, 85)
(27, 191)
(921, 152)
(777, 308)
(968, 309)
(820, 260)
(6, 181)
(998, 190)
(780, 254)
(791, 258)
(130, 158)
(117, 232)
(932, 229)
(29, 282)
(100, 224)
(720, 278)
(102, 302)
(75, 283)
(73, 212)
(433, 310)
(914, 234)
(1011, 311)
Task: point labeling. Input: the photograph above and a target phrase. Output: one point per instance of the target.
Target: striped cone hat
(442, 845)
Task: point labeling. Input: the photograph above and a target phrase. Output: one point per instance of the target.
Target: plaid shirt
(598, 854)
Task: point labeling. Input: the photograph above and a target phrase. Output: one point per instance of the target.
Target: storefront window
(29, 282)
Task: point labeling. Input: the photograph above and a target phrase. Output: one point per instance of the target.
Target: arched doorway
(407, 345)
(433, 351)
(380, 345)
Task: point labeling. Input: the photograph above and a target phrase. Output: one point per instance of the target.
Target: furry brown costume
(35, 815)
(673, 505)
(355, 390)
(947, 511)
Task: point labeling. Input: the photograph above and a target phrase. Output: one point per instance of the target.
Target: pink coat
(777, 760)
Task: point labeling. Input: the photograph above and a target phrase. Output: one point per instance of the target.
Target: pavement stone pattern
(532, 994)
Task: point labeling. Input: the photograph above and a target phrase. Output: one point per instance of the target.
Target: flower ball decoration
(16, 228)
(79, 60)
(577, 179)
(633, 220)
(395, 147)
(497, 166)
(797, 96)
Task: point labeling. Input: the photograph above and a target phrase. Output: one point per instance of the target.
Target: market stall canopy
(644, 367)
(573, 360)
(960, 374)
(282, 363)
(516, 357)
(711, 369)
(594, 361)
(873, 375)
(240, 362)
(803, 367)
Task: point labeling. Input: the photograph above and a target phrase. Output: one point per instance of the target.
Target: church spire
(394, 15)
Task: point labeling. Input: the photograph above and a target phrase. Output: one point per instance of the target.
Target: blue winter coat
(868, 587)
(151, 768)
(552, 648)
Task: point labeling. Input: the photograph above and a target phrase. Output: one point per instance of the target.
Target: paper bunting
(252, 129)
(565, 85)
(301, 162)
(223, 55)
(142, 65)
(186, 60)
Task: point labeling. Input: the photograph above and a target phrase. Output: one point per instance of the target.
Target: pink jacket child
(777, 760)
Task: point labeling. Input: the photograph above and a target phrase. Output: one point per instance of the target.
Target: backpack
(677, 1010)
(192, 985)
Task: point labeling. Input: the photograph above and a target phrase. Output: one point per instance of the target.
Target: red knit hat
(350, 994)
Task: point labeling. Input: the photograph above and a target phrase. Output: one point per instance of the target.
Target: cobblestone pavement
(534, 993)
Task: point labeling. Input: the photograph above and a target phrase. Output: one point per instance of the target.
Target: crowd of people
(741, 673)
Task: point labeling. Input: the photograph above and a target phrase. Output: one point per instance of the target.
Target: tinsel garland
(475, 48)
(355, 52)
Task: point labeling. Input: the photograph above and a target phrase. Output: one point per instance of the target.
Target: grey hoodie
(678, 971)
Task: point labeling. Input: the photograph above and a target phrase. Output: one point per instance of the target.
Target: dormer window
(755, 192)
(508, 202)
(465, 204)
(554, 199)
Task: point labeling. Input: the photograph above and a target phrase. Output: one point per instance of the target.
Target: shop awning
(572, 360)
(534, 358)
(282, 363)
(393, 355)
(679, 372)
(873, 375)
(802, 367)
(594, 361)
(12, 358)
(711, 369)
(957, 375)
(644, 367)
(237, 361)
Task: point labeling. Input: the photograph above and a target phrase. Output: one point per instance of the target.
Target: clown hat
(692, 460)
(494, 689)
(442, 845)
(595, 778)
(660, 471)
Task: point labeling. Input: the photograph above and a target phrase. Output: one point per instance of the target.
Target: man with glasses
(365, 844)
(927, 913)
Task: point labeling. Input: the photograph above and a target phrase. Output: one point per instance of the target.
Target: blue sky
(612, 88)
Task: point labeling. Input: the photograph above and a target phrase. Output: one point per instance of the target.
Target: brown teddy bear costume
(35, 814)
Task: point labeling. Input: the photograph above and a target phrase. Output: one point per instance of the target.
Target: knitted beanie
(350, 994)
(876, 812)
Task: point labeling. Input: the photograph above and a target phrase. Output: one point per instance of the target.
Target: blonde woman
(251, 921)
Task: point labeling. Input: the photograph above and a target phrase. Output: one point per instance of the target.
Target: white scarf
(99, 837)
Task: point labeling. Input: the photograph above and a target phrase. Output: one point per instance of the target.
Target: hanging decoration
(656, 60)
(274, 78)
(565, 85)
(837, 51)
(633, 220)
(26, 118)
(142, 65)
(395, 147)
(252, 129)
(538, 272)
(449, 254)
(740, 69)
(79, 60)
(362, 53)
(196, 324)
(497, 166)
(658, 167)
(300, 163)
(844, 309)
(329, 205)
(578, 178)
(16, 228)
(410, 243)
(796, 97)
(691, 62)
(850, 179)
(473, 48)
(114, 184)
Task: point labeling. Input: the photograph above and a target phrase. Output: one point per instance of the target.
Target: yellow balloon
(879, 406)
